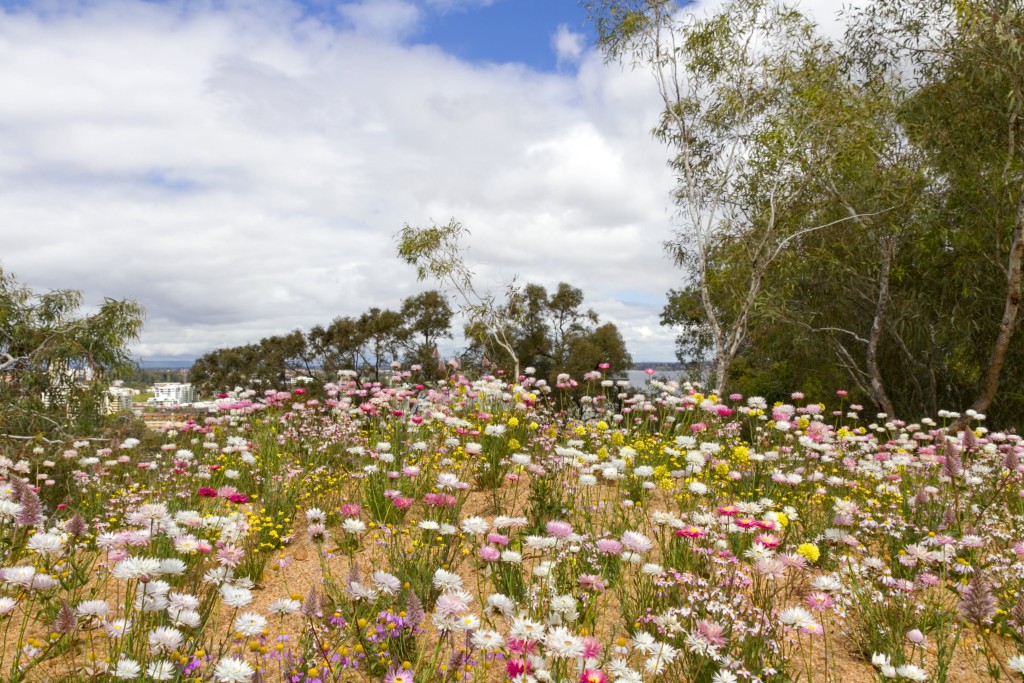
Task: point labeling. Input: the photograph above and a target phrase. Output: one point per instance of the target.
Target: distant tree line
(551, 332)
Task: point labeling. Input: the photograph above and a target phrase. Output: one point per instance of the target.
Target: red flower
(207, 492)
(239, 498)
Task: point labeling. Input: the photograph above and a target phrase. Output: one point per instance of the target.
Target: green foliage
(556, 335)
(851, 213)
(56, 362)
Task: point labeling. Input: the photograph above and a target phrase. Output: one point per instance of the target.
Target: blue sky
(489, 30)
(506, 31)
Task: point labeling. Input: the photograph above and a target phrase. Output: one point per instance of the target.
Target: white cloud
(242, 171)
(382, 18)
(567, 44)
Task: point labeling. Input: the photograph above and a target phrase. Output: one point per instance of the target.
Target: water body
(639, 378)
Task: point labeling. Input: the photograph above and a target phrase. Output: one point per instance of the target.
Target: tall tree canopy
(852, 211)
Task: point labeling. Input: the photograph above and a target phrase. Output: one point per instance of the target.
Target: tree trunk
(1010, 310)
(722, 373)
(878, 394)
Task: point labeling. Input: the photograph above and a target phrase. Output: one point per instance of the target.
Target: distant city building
(173, 393)
(119, 398)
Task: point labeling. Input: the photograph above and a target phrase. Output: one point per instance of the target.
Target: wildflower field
(473, 530)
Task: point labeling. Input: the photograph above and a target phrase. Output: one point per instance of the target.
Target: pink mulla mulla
(609, 546)
(452, 604)
(811, 629)
(904, 585)
(793, 561)
(558, 529)
(226, 491)
(592, 582)
(819, 601)
(635, 541)
(351, 510)
(698, 427)
(402, 502)
(229, 555)
(497, 539)
(489, 553)
(711, 632)
(771, 568)
(591, 647)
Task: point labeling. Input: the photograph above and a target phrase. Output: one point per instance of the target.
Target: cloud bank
(241, 168)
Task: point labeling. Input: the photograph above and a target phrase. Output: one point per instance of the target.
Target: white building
(174, 393)
(119, 399)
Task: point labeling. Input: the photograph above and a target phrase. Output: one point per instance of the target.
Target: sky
(241, 167)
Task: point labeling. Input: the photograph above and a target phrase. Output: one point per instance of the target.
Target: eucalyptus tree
(438, 252)
(56, 361)
(427, 317)
(724, 80)
(960, 65)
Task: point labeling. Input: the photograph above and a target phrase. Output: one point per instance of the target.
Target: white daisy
(250, 624)
(165, 639)
(233, 670)
(161, 670)
(127, 669)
